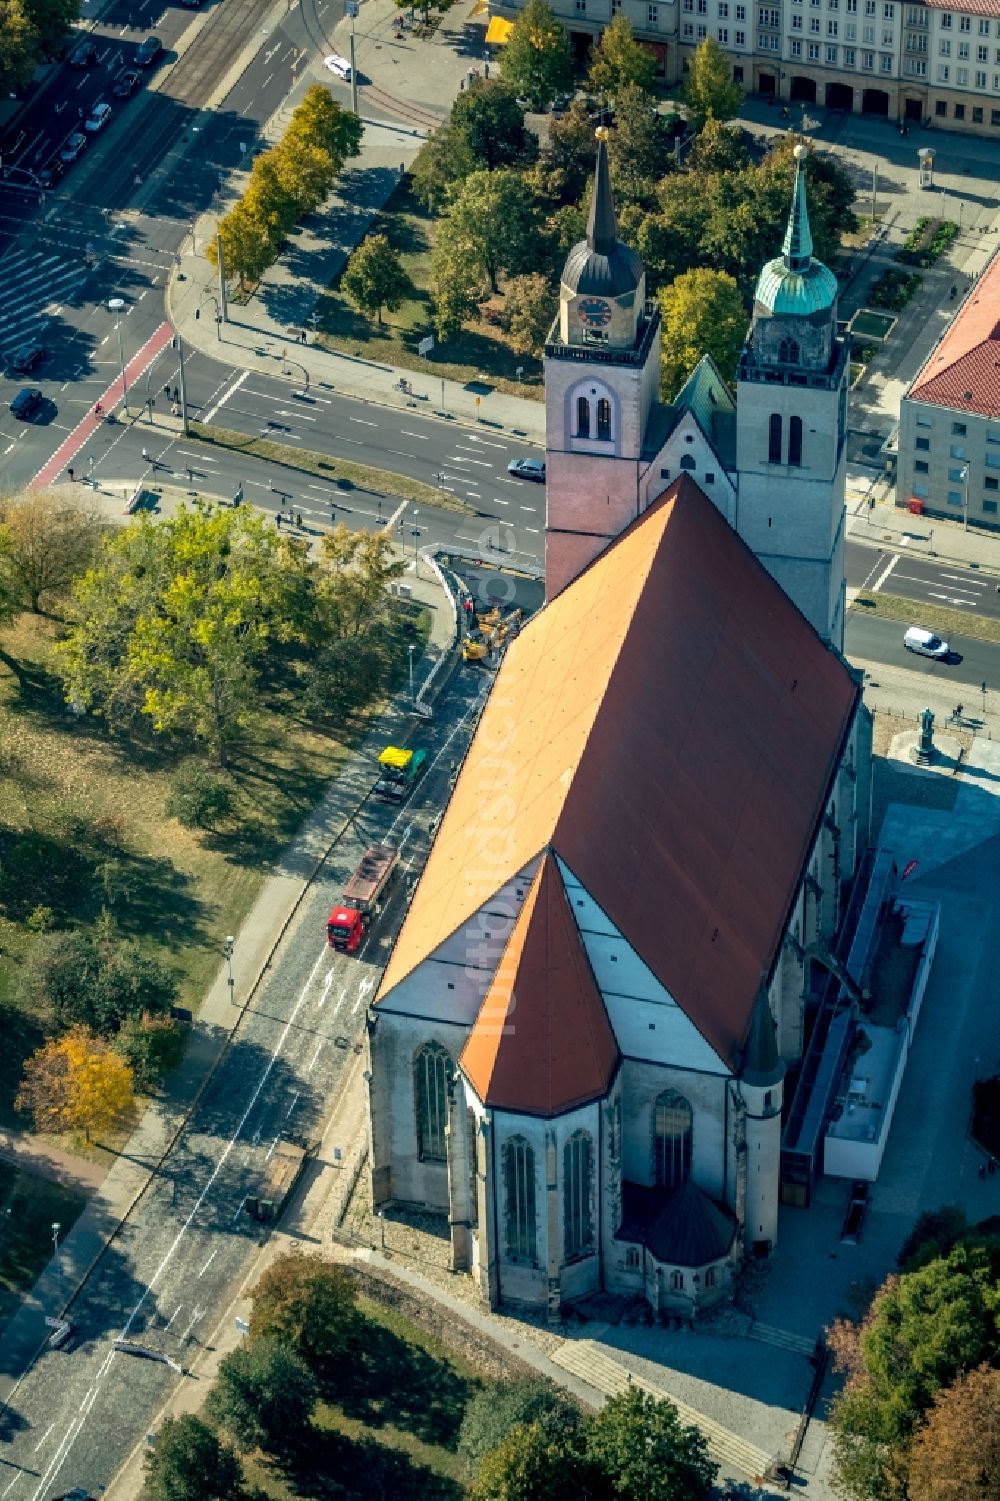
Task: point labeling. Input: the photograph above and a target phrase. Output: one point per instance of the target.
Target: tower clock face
(594, 312)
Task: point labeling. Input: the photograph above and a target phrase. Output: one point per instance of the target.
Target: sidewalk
(217, 1018)
(888, 526)
(414, 81)
(29, 1153)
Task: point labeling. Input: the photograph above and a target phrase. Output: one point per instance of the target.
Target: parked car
(148, 51)
(50, 173)
(26, 359)
(925, 643)
(533, 469)
(98, 117)
(84, 56)
(560, 104)
(26, 403)
(73, 147)
(338, 65)
(126, 84)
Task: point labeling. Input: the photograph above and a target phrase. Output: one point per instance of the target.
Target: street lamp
(410, 650)
(965, 497)
(416, 534)
(228, 947)
(115, 305)
(56, 1227)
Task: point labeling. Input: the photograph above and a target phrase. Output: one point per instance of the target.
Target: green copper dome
(793, 283)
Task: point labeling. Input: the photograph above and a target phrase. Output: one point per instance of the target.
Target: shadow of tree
(332, 1467)
(398, 1383)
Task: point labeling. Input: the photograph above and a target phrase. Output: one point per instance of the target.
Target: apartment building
(949, 419)
(929, 60)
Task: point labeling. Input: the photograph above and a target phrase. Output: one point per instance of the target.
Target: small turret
(761, 1075)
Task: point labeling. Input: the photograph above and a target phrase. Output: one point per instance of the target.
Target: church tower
(602, 375)
(791, 426)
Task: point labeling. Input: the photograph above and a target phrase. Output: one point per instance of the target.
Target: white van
(924, 643)
(339, 66)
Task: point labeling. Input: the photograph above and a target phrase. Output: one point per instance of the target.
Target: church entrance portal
(802, 90)
(839, 96)
(874, 102)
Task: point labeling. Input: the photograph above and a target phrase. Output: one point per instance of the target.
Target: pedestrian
(145, 456)
(298, 519)
(277, 521)
(69, 471)
(98, 409)
(175, 410)
(176, 395)
(190, 475)
(486, 70)
(166, 390)
(302, 337)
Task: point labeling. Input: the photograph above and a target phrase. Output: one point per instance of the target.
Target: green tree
(618, 61)
(532, 1464)
(497, 1409)
(199, 797)
(375, 278)
(48, 544)
(263, 1397)
(489, 119)
(718, 148)
(529, 308)
(933, 1235)
(248, 240)
(152, 1046)
(637, 146)
(702, 313)
(175, 620)
(320, 121)
(536, 63)
(83, 982)
(51, 21)
(922, 1330)
(18, 44)
(645, 1453)
(189, 1463)
(571, 152)
(493, 222)
(710, 88)
(670, 240)
(458, 285)
(311, 1308)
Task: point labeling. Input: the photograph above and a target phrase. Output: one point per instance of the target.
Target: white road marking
(876, 586)
(272, 1147)
(42, 1439)
(202, 458)
(325, 992)
(363, 421)
(397, 513)
(239, 1210)
(174, 1315)
(208, 1263)
(424, 437)
(963, 578)
(312, 1061)
(226, 395)
(291, 1107)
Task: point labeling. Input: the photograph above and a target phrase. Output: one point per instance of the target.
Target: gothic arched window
(604, 418)
(432, 1070)
(671, 1140)
(582, 417)
(788, 352)
(687, 461)
(774, 439)
(578, 1158)
(519, 1185)
(795, 440)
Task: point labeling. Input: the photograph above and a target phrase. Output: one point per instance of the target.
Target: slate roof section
(680, 1227)
(762, 1064)
(542, 1042)
(669, 725)
(601, 264)
(962, 371)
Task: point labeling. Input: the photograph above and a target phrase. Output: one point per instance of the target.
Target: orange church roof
(542, 1042)
(962, 371)
(669, 726)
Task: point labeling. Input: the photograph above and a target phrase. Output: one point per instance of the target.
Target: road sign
(426, 345)
(242, 1326)
(352, 8)
(243, 148)
(478, 400)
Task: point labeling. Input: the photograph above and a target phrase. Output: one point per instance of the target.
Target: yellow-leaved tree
(76, 1083)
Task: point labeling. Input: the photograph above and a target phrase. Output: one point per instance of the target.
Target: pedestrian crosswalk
(35, 284)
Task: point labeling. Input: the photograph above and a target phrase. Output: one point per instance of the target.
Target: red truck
(348, 923)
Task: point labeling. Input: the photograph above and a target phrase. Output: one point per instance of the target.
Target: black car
(148, 52)
(73, 147)
(125, 86)
(26, 359)
(84, 56)
(50, 173)
(26, 403)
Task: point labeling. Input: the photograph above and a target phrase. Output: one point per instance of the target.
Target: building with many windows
(578, 1048)
(929, 60)
(949, 420)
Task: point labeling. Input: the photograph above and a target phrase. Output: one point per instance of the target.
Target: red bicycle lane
(88, 425)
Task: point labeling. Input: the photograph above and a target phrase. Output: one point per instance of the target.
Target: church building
(579, 1046)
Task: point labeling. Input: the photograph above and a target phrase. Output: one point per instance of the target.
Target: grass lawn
(82, 825)
(479, 354)
(29, 1206)
(396, 1434)
(939, 618)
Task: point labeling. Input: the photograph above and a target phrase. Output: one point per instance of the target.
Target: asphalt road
(165, 1280)
(873, 638)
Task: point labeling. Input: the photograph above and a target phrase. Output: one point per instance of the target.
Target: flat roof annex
(669, 725)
